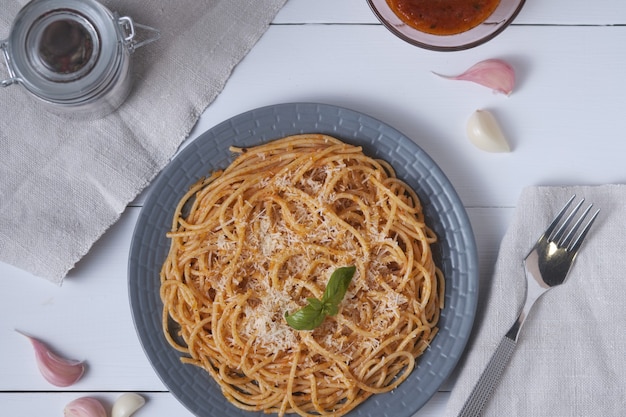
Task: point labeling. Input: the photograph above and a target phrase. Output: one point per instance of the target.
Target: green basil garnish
(313, 314)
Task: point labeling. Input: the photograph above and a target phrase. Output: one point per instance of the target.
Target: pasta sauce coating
(256, 240)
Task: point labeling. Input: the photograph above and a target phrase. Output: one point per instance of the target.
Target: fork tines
(568, 235)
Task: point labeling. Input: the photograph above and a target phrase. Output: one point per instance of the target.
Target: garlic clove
(484, 132)
(84, 407)
(127, 404)
(496, 74)
(55, 369)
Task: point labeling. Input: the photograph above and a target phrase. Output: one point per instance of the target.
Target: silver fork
(546, 266)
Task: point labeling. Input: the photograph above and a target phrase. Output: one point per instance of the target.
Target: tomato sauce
(443, 17)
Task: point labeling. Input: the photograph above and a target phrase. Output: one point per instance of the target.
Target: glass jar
(73, 56)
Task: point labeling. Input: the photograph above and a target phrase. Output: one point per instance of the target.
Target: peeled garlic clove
(85, 407)
(127, 404)
(496, 74)
(484, 131)
(55, 369)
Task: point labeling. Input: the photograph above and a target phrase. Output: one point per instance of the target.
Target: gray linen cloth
(63, 183)
(569, 359)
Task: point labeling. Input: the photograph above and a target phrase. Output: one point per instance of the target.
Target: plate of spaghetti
(235, 262)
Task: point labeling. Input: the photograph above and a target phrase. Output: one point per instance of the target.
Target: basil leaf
(330, 309)
(337, 287)
(313, 314)
(307, 318)
(315, 303)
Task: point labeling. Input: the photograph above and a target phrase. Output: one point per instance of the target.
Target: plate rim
(465, 228)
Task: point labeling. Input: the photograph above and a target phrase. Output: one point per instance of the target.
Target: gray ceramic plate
(455, 252)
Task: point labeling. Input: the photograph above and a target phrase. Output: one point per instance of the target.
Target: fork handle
(490, 377)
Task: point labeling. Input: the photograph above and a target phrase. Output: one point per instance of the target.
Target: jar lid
(65, 50)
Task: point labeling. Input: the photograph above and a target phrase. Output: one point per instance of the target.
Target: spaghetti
(257, 239)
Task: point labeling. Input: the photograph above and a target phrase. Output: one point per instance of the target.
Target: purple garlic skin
(496, 74)
(85, 407)
(55, 369)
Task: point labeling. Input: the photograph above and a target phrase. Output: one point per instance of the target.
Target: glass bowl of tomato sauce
(446, 25)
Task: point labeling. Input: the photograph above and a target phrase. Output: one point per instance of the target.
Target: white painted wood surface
(565, 120)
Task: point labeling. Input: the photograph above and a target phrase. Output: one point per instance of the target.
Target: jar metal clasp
(7, 60)
(127, 26)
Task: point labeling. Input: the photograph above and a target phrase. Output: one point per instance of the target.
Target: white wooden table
(565, 120)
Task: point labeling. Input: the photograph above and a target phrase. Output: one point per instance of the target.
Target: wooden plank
(563, 126)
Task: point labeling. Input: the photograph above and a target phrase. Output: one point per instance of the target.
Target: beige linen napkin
(62, 184)
(570, 358)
